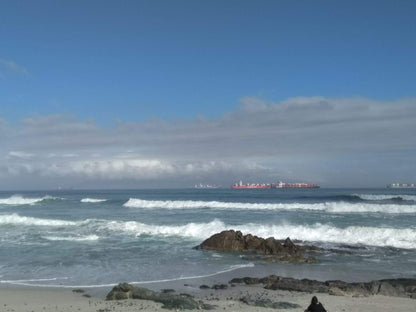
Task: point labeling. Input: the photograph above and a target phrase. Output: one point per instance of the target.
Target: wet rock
(224, 241)
(169, 300)
(270, 249)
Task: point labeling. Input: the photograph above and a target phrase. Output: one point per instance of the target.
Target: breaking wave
(332, 207)
(385, 197)
(19, 200)
(93, 200)
(353, 235)
(15, 219)
(94, 229)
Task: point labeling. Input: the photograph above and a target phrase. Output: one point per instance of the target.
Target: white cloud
(290, 139)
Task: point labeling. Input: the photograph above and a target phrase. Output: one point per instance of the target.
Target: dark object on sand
(267, 303)
(167, 291)
(270, 249)
(401, 287)
(219, 286)
(315, 306)
(169, 301)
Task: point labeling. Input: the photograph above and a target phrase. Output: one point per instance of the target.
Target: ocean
(93, 238)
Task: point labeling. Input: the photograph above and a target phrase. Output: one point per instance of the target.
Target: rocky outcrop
(270, 249)
(169, 300)
(389, 287)
(267, 303)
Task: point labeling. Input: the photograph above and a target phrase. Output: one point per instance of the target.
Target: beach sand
(34, 299)
(64, 300)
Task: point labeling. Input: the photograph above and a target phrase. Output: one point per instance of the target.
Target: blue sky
(106, 64)
(185, 58)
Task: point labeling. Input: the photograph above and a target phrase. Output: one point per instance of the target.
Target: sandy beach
(36, 299)
(65, 300)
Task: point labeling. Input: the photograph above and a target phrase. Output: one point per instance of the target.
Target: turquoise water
(85, 238)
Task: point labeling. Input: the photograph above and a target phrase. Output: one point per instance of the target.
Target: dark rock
(289, 244)
(237, 280)
(305, 285)
(219, 286)
(271, 249)
(389, 287)
(167, 291)
(252, 280)
(204, 287)
(169, 301)
(267, 303)
(186, 295)
(224, 241)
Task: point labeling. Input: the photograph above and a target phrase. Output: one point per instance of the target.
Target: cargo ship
(241, 185)
(278, 185)
(402, 185)
(281, 184)
(207, 186)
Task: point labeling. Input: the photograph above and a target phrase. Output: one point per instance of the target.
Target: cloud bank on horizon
(331, 141)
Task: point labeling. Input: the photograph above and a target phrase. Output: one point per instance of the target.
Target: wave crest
(332, 207)
(93, 200)
(353, 235)
(17, 200)
(386, 197)
(15, 219)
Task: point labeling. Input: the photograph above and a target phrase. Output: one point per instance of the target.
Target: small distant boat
(402, 185)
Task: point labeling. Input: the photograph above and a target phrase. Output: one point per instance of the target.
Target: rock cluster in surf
(270, 249)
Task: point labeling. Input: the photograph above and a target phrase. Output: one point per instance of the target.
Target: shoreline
(259, 270)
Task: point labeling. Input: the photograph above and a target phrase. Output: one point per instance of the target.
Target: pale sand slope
(60, 300)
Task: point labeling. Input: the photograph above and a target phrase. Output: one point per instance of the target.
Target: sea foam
(353, 235)
(332, 207)
(15, 219)
(19, 200)
(385, 196)
(93, 200)
(86, 238)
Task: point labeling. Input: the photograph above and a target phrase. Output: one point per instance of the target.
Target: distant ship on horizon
(207, 186)
(278, 185)
(402, 185)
